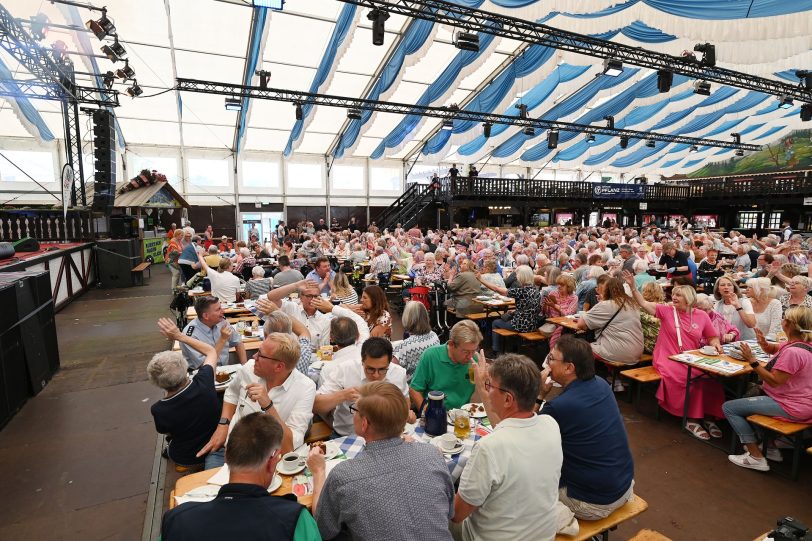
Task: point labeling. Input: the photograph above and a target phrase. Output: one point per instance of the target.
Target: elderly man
(380, 263)
(597, 476)
(509, 487)
(269, 383)
(339, 388)
(444, 367)
(347, 332)
(188, 257)
(303, 309)
(206, 328)
(322, 274)
(393, 489)
(626, 254)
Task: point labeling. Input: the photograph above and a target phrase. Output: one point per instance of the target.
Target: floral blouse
(527, 299)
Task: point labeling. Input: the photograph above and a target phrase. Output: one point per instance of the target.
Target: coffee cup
(448, 442)
(292, 462)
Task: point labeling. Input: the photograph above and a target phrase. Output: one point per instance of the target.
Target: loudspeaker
(6, 250)
(125, 247)
(26, 245)
(104, 141)
(13, 375)
(123, 227)
(116, 260)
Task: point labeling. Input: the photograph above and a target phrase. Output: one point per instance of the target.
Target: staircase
(406, 208)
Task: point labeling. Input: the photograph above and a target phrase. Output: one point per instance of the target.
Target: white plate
(275, 484)
(435, 441)
(226, 382)
(333, 450)
(703, 351)
(478, 414)
(280, 469)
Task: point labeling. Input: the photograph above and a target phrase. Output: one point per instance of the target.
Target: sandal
(697, 430)
(713, 429)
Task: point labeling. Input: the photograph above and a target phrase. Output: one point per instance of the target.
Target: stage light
(590, 139)
(39, 26)
(806, 78)
(806, 112)
(552, 139)
(233, 104)
(354, 114)
(530, 131)
(610, 121)
(739, 152)
(126, 72)
(522, 107)
(270, 4)
(264, 77)
(692, 149)
(737, 138)
(624, 141)
(703, 88)
(612, 67)
(785, 103)
(60, 51)
(299, 112)
(650, 143)
(708, 54)
(134, 91)
(486, 129)
(664, 80)
(114, 52)
(102, 27)
(378, 18)
(466, 41)
(448, 124)
(109, 78)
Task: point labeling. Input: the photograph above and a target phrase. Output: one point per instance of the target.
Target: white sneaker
(747, 461)
(774, 454)
(618, 386)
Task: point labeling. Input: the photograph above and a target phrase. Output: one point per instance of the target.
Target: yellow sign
(154, 248)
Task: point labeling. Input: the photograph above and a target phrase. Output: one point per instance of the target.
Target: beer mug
(462, 423)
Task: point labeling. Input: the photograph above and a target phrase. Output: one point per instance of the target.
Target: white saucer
(479, 414)
(275, 484)
(224, 383)
(435, 441)
(283, 471)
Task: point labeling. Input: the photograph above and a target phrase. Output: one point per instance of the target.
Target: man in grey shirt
(286, 275)
(206, 328)
(394, 489)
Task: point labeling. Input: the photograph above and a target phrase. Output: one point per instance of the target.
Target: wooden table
(564, 321)
(402, 277)
(251, 343)
(195, 480)
(235, 311)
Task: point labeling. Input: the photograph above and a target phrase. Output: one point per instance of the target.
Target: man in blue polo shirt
(597, 476)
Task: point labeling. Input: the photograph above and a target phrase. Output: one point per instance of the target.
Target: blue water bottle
(436, 414)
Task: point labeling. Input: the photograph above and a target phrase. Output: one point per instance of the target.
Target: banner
(154, 248)
(618, 191)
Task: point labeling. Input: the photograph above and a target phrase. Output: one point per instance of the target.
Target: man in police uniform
(206, 328)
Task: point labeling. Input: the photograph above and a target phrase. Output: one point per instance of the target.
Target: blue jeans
(495, 338)
(215, 459)
(736, 412)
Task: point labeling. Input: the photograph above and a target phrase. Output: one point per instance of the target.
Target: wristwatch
(739, 309)
(266, 408)
(540, 401)
(225, 421)
(754, 365)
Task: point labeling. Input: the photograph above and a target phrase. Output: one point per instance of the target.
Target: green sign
(154, 248)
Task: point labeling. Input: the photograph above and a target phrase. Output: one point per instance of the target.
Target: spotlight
(522, 107)
(612, 68)
(264, 77)
(270, 4)
(486, 129)
(650, 143)
(529, 131)
(739, 152)
(552, 139)
(109, 78)
(299, 112)
(806, 112)
(785, 103)
(114, 52)
(103, 27)
(692, 149)
(702, 88)
(233, 104)
(378, 18)
(590, 139)
(737, 138)
(624, 141)
(448, 124)
(664, 80)
(708, 54)
(806, 78)
(610, 121)
(134, 91)
(466, 41)
(354, 114)
(39, 26)
(59, 51)
(126, 72)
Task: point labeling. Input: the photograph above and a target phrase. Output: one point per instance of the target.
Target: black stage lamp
(610, 121)
(126, 72)
(708, 54)
(650, 143)
(448, 124)
(299, 112)
(39, 26)
(624, 141)
(612, 67)
(466, 41)
(354, 114)
(692, 149)
(486, 129)
(737, 138)
(806, 112)
(522, 107)
(109, 78)
(530, 131)
(703, 88)
(134, 91)
(806, 78)
(233, 104)
(103, 27)
(739, 152)
(785, 103)
(590, 139)
(378, 18)
(114, 52)
(552, 139)
(264, 77)
(664, 80)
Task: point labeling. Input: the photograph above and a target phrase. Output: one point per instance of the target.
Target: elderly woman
(641, 275)
(735, 308)
(463, 286)
(726, 331)
(189, 410)
(427, 272)
(528, 299)
(416, 323)
(767, 309)
(787, 387)
(797, 288)
(258, 285)
(243, 260)
(616, 322)
(652, 292)
(561, 302)
(490, 275)
(674, 261)
(681, 329)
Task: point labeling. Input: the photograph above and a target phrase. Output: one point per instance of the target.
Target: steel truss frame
(476, 20)
(445, 113)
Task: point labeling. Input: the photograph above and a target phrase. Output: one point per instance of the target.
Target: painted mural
(790, 153)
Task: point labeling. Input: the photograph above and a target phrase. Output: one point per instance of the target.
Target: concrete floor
(76, 461)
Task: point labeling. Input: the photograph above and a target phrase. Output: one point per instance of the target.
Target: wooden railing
(44, 225)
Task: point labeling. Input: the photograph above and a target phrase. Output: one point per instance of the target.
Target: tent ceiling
(210, 40)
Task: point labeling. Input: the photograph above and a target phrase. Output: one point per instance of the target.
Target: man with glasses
(269, 383)
(339, 386)
(393, 489)
(509, 487)
(206, 328)
(243, 508)
(304, 309)
(597, 476)
(445, 367)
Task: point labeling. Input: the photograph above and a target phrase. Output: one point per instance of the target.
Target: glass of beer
(462, 424)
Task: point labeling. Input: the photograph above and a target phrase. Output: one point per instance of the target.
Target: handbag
(592, 335)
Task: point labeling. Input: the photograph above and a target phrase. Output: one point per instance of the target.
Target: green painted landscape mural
(790, 153)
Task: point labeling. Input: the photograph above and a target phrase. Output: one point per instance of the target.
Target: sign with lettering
(618, 191)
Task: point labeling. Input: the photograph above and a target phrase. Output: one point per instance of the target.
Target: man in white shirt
(268, 383)
(509, 488)
(347, 332)
(224, 285)
(339, 388)
(304, 310)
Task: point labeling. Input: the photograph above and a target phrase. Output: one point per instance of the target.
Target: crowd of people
(559, 451)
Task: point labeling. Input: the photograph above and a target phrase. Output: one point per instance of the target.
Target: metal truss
(46, 91)
(475, 20)
(445, 113)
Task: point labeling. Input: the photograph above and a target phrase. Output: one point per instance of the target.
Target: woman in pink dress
(707, 395)
(561, 302)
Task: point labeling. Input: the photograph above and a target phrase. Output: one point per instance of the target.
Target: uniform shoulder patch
(190, 330)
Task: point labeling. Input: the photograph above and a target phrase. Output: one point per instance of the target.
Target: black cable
(158, 93)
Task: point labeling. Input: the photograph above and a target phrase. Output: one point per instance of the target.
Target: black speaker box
(6, 250)
(125, 247)
(31, 290)
(123, 227)
(26, 245)
(14, 385)
(104, 141)
(116, 259)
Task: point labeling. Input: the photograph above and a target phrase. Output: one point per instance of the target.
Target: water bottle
(436, 414)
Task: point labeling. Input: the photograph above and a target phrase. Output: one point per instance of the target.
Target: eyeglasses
(370, 370)
(353, 409)
(489, 386)
(308, 296)
(259, 355)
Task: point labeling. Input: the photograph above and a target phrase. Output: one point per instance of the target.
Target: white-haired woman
(767, 309)
(415, 322)
(189, 410)
(735, 308)
(797, 293)
(641, 275)
(528, 305)
(258, 286)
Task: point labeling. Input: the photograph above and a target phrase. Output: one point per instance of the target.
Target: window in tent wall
(207, 173)
(38, 165)
(166, 165)
(256, 174)
(748, 220)
(348, 178)
(774, 220)
(304, 176)
(390, 179)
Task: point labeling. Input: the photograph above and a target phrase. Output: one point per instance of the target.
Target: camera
(789, 529)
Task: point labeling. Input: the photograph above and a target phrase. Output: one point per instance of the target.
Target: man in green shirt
(445, 367)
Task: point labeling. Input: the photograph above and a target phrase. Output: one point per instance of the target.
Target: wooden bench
(793, 431)
(649, 535)
(642, 376)
(592, 528)
(318, 431)
(615, 366)
(138, 273)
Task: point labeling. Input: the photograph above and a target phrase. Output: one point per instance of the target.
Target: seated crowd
(558, 451)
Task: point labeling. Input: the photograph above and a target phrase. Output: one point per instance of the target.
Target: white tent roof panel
(149, 132)
(366, 146)
(213, 27)
(272, 114)
(268, 140)
(360, 56)
(210, 136)
(308, 37)
(315, 143)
